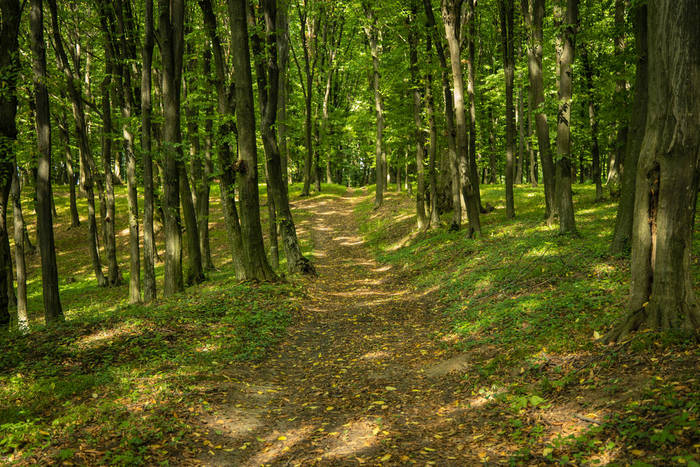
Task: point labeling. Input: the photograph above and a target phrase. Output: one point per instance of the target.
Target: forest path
(360, 379)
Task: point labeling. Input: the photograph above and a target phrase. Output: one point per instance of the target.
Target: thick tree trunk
(149, 244)
(662, 293)
(171, 26)
(256, 265)
(194, 273)
(451, 19)
(507, 24)
(622, 236)
(533, 12)
(10, 16)
(49, 272)
(565, 201)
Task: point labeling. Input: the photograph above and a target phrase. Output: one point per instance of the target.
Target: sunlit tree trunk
(20, 262)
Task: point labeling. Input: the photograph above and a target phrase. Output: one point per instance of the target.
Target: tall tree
(268, 87)
(565, 203)
(533, 12)
(413, 36)
(507, 26)
(622, 237)
(372, 32)
(593, 121)
(53, 311)
(149, 244)
(10, 13)
(20, 262)
(256, 265)
(451, 16)
(662, 294)
(171, 34)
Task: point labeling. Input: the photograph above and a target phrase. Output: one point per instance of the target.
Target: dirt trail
(360, 379)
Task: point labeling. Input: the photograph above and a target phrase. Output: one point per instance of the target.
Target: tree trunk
(506, 13)
(592, 118)
(533, 12)
(520, 121)
(283, 92)
(372, 36)
(616, 157)
(226, 110)
(434, 221)
(87, 165)
(662, 294)
(257, 267)
(622, 236)
(53, 311)
(20, 263)
(268, 87)
(471, 91)
(451, 160)
(421, 220)
(203, 182)
(565, 202)
(194, 271)
(74, 216)
(451, 19)
(171, 29)
(149, 244)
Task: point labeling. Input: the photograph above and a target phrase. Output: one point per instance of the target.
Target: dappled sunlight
(351, 439)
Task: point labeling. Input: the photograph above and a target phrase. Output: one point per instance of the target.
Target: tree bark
(226, 110)
(20, 262)
(70, 174)
(507, 24)
(257, 267)
(149, 244)
(372, 33)
(53, 311)
(533, 12)
(451, 20)
(662, 294)
(593, 121)
(434, 221)
(171, 29)
(421, 219)
(283, 92)
(565, 203)
(615, 161)
(622, 236)
(87, 165)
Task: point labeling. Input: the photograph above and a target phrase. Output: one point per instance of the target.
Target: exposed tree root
(655, 317)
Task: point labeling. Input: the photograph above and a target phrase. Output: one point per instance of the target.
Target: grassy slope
(529, 304)
(115, 383)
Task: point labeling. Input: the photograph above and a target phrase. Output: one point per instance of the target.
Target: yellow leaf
(390, 388)
(330, 408)
(637, 452)
(546, 452)
(378, 402)
(385, 458)
(282, 438)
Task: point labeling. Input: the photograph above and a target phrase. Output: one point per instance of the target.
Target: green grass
(115, 383)
(529, 304)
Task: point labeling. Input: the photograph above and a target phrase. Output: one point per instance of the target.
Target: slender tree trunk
(53, 311)
(87, 165)
(592, 112)
(226, 110)
(171, 29)
(451, 161)
(421, 218)
(493, 175)
(283, 92)
(113, 275)
(531, 147)
(622, 236)
(451, 19)
(506, 10)
(662, 292)
(149, 244)
(520, 118)
(533, 12)
(372, 36)
(74, 216)
(565, 201)
(20, 263)
(616, 157)
(203, 181)
(434, 221)
(257, 267)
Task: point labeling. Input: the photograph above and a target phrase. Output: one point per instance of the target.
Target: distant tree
(507, 32)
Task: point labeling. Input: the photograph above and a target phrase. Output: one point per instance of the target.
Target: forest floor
(408, 348)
